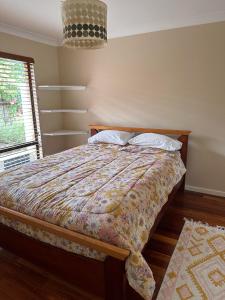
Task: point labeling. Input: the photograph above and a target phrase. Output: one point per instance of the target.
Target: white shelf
(62, 87)
(65, 132)
(76, 111)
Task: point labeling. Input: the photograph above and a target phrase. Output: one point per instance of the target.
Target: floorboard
(21, 280)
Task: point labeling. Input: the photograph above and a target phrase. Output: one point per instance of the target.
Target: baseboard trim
(205, 191)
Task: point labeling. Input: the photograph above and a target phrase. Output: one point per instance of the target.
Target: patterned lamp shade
(85, 23)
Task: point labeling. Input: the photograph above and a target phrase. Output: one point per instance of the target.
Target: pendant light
(84, 23)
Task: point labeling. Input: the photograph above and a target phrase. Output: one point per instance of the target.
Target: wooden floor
(20, 280)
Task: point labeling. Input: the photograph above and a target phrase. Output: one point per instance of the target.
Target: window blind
(20, 139)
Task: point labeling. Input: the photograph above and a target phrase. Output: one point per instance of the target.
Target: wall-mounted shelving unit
(65, 132)
(52, 111)
(62, 87)
(76, 111)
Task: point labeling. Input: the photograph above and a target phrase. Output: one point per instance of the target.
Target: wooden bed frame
(104, 280)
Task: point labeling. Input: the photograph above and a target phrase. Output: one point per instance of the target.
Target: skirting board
(205, 191)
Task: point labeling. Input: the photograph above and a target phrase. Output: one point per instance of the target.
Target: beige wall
(46, 71)
(169, 79)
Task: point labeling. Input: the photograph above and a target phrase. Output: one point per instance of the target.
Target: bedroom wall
(46, 72)
(168, 79)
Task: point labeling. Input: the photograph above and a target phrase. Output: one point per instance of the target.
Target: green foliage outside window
(11, 115)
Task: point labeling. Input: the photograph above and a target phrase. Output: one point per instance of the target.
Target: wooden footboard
(72, 236)
(103, 279)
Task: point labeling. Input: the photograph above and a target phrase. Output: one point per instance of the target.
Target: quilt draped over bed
(108, 192)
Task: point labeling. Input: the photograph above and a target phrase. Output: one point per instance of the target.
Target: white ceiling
(41, 19)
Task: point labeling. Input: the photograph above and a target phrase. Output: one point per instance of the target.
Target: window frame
(28, 61)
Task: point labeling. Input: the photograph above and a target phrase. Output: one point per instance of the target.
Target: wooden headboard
(182, 135)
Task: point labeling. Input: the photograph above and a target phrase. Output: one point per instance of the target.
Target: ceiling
(40, 20)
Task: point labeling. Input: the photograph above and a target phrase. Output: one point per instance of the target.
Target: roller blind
(20, 139)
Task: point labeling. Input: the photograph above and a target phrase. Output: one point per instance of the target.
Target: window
(20, 140)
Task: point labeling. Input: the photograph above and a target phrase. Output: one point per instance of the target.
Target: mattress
(109, 192)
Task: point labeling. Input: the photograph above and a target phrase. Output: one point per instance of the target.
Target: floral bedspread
(109, 192)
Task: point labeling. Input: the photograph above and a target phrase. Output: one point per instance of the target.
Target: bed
(105, 230)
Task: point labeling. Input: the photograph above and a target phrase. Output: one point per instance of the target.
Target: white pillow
(156, 141)
(111, 137)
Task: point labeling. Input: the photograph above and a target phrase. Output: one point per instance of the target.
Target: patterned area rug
(197, 268)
